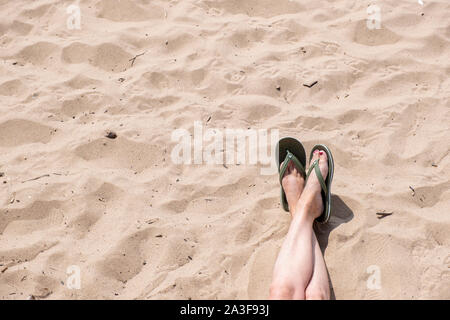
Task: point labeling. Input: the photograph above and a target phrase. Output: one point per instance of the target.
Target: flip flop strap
(316, 167)
(291, 157)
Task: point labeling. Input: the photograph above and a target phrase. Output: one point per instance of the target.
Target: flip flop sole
(296, 148)
(325, 216)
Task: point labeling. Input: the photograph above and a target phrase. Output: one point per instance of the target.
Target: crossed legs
(300, 271)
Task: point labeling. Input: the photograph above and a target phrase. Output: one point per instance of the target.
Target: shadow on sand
(340, 213)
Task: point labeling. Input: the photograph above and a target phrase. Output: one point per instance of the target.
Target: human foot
(293, 183)
(310, 202)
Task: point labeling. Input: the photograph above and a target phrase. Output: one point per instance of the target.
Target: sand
(136, 225)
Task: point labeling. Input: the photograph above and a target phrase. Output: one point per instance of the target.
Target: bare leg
(318, 287)
(296, 264)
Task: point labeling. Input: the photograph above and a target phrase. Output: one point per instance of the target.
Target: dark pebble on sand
(111, 135)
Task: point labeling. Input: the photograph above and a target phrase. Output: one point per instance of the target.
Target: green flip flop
(292, 150)
(324, 183)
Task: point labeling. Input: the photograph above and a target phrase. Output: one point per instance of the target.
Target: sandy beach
(135, 224)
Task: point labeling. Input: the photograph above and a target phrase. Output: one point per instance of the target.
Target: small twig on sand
(414, 191)
(382, 215)
(151, 221)
(37, 178)
(310, 85)
(134, 59)
(44, 294)
(43, 176)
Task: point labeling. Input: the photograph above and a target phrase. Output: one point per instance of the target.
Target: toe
(323, 163)
(315, 156)
(293, 169)
(290, 168)
(323, 156)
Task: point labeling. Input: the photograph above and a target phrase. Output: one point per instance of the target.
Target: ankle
(304, 204)
(303, 215)
(292, 210)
